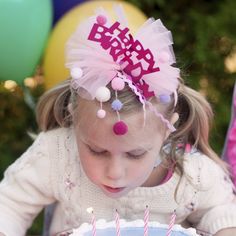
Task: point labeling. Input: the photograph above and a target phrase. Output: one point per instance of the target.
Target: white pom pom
(76, 73)
(103, 94)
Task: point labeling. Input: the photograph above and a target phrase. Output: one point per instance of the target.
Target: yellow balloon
(54, 57)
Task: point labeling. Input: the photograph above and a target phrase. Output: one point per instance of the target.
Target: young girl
(122, 134)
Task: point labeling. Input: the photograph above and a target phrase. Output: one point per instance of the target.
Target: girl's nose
(115, 168)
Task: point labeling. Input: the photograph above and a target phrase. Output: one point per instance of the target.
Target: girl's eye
(97, 153)
(136, 155)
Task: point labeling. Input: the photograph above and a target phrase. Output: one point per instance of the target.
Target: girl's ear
(70, 109)
(173, 120)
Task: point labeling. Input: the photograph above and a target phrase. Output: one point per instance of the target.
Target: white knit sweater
(50, 171)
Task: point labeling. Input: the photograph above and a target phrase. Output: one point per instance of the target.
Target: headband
(102, 52)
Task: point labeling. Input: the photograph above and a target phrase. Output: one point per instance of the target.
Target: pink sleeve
(229, 153)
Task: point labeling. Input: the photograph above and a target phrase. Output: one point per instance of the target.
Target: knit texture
(50, 171)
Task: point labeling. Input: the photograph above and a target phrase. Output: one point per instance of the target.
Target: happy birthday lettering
(134, 59)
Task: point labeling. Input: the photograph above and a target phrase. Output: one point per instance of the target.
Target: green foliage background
(204, 36)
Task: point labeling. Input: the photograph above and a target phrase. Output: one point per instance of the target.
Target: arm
(25, 189)
(226, 232)
(215, 205)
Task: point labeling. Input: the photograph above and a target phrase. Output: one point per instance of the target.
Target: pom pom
(117, 83)
(76, 73)
(120, 128)
(101, 113)
(117, 105)
(164, 57)
(164, 98)
(101, 20)
(103, 94)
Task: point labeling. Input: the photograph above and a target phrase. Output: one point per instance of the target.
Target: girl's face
(118, 164)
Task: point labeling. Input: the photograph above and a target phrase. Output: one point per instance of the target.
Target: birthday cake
(131, 228)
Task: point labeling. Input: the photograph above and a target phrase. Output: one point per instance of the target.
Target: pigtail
(195, 122)
(52, 108)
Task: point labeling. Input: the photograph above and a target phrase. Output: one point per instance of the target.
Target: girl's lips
(113, 190)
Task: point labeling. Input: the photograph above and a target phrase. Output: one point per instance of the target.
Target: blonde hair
(192, 127)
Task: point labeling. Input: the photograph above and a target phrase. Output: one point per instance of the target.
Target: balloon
(24, 28)
(54, 59)
(60, 7)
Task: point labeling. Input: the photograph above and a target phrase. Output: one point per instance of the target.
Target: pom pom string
(163, 119)
(138, 94)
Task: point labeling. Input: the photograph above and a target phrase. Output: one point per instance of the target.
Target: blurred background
(32, 38)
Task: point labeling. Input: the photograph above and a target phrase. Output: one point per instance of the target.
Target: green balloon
(24, 30)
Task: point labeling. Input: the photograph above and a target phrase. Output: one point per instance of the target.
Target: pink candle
(94, 224)
(93, 220)
(146, 219)
(117, 219)
(171, 224)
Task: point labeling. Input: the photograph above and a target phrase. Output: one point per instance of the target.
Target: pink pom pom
(101, 113)
(164, 57)
(101, 20)
(120, 128)
(117, 83)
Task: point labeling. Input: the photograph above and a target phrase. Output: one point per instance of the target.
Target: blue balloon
(60, 7)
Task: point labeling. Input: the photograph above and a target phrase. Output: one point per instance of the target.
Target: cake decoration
(122, 227)
(132, 228)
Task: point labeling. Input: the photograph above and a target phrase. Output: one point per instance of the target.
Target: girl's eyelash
(130, 155)
(96, 153)
(139, 156)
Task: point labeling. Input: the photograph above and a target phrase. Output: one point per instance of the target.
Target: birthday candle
(171, 224)
(146, 219)
(117, 219)
(93, 220)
